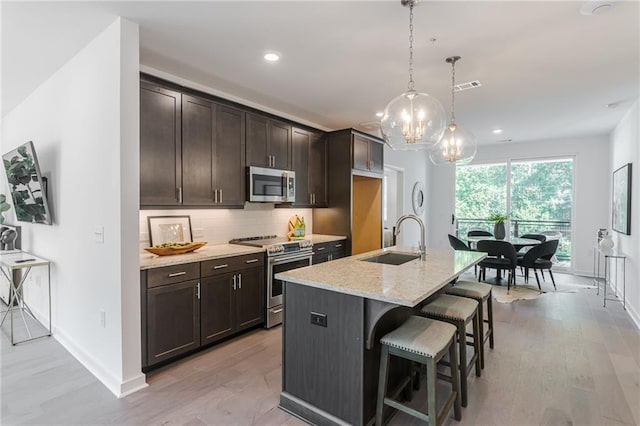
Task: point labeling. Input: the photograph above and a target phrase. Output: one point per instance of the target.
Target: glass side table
(16, 267)
(610, 256)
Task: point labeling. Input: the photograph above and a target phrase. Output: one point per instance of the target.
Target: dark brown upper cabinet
(200, 141)
(368, 154)
(309, 156)
(160, 146)
(268, 143)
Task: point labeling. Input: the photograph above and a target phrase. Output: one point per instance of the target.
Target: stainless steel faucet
(423, 247)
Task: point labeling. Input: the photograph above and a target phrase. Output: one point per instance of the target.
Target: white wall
(591, 188)
(83, 122)
(414, 167)
(624, 149)
(218, 226)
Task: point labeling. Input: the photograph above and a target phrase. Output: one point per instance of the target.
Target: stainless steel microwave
(271, 185)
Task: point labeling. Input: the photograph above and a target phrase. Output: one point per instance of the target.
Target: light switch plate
(98, 234)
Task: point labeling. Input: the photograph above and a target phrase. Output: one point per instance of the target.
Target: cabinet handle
(198, 290)
(220, 266)
(252, 261)
(338, 245)
(177, 274)
(220, 196)
(180, 194)
(274, 160)
(215, 196)
(234, 282)
(240, 281)
(276, 311)
(330, 257)
(310, 198)
(321, 248)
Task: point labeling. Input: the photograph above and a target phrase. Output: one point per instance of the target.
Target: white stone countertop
(407, 284)
(208, 252)
(320, 238)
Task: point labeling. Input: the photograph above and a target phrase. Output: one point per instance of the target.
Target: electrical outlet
(319, 319)
(103, 318)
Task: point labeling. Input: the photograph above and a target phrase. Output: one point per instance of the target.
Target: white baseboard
(633, 314)
(118, 388)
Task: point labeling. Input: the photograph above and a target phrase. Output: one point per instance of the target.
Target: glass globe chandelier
(457, 146)
(412, 120)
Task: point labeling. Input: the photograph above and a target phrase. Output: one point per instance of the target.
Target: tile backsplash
(218, 226)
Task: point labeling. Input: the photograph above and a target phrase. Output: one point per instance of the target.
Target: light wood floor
(560, 359)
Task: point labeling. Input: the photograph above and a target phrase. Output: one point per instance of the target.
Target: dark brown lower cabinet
(173, 320)
(216, 307)
(325, 252)
(249, 298)
(218, 298)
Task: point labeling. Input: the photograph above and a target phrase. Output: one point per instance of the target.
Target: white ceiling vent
(466, 86)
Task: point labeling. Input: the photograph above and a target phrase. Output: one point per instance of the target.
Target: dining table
(517, 242)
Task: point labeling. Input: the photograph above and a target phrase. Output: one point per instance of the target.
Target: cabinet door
(160, 145)
(280, 144)
(360, 153)
(318, 170)
(376, 157)
(257, 141)
(300, 150)
(198, 131)
(249, 298)
(173, 320)
(229, 156)
(216, 307)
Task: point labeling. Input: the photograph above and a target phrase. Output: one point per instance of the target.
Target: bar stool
(424, 341)
(459, 311)
(481, 293)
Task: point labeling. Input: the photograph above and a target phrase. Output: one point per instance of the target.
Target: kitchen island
(334, 316)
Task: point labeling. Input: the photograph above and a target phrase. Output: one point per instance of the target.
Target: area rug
(528, 291)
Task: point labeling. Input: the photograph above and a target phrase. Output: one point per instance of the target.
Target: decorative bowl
(168, 251)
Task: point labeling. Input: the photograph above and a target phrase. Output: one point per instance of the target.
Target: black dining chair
(522, 250)
(538, 258)
(477, 233)
(458, 244)
(503, 257)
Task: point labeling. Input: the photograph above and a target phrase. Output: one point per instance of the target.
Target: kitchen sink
(392, 258)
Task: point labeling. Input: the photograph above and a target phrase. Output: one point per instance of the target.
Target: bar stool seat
(481, 293)
(459, 311)
(424, 341)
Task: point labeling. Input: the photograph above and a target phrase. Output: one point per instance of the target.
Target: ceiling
(546, 70)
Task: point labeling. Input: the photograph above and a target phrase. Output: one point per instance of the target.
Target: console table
(16, 267)
(609, 255)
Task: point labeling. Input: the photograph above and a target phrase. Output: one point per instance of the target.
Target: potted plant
(498, 227)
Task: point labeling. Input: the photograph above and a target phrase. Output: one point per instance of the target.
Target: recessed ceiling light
(597, 7)
(271, 57)
(497, 131)
(379, 114)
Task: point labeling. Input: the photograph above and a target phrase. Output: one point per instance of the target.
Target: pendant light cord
(453, 92)
(411, 83)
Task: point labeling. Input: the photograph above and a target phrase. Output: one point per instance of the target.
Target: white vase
(606, 243)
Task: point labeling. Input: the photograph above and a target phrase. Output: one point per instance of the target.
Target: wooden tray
(168, 251)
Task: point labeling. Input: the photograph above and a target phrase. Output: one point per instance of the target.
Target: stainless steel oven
(276, 265)
(282, 255)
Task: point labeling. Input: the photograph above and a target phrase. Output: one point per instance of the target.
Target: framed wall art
(621, 214)
(169, 229)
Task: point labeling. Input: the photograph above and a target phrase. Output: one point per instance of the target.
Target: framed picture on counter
(169, 229)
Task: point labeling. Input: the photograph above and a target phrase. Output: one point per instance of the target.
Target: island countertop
(407, 284)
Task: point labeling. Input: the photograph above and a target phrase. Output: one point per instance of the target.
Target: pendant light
(457, 146)
(412, 120)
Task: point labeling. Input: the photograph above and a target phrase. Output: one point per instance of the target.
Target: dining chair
(503, 256)
(458, 244)
(539, 237)
(538, 259)
(477, 232)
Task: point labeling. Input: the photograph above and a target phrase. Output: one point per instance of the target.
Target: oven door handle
(278, 261)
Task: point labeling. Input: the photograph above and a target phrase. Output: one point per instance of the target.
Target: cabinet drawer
(172, 274)
(230, 264)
